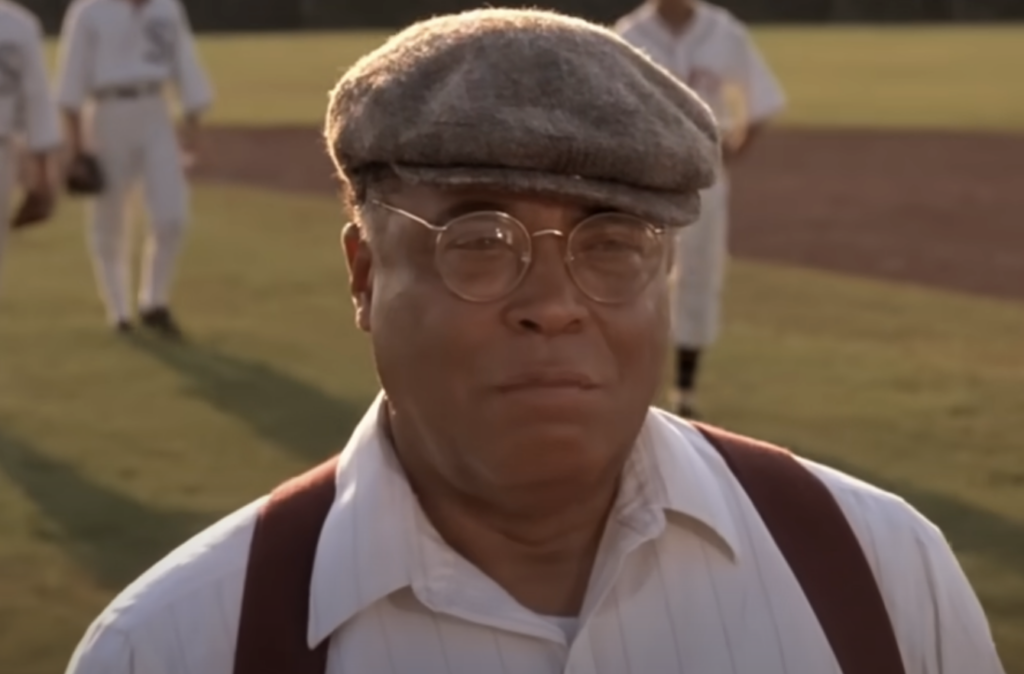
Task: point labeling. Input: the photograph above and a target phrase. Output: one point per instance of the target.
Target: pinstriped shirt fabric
(687, 581)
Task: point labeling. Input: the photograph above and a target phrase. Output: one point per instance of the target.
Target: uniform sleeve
(41, 123)
(938, 620)
(193, 86)
(74, 60)
(765, 98)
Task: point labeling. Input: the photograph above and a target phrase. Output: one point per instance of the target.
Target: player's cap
(529, 101)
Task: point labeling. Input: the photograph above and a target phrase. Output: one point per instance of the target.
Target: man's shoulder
(877, 515)
(204, 574)
(864, 497)
(85, 5)
(929, 599)
(19, 19)
(882, 520)
(175, 7)
(78, 10)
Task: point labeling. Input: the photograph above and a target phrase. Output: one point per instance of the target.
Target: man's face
(677, 4)
(542, 386)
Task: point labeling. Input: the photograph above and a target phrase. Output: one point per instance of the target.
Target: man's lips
(548, 380)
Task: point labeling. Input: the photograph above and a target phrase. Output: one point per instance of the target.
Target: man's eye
(481, 243)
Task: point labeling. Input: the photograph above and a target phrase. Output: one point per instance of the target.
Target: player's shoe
(161, 321)
(124, 327)
(681, 403)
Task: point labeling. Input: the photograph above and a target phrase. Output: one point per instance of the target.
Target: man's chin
(546, 452)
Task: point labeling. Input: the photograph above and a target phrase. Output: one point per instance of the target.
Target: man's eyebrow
(467, 206)
(598, 209)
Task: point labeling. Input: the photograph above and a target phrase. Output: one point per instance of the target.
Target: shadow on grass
(968, 527)
(111, 535)
(116, 537)
(292, 414)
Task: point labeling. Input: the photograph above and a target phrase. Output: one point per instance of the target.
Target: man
(511, 502)
(118, 56)
(706, 47)
(27, 114)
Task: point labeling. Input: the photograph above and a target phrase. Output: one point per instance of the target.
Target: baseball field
(875, 320)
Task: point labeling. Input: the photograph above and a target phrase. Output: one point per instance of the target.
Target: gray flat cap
(527, 101)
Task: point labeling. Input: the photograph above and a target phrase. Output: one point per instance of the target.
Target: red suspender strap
(275, 604)
(820, 547)
(799, 511)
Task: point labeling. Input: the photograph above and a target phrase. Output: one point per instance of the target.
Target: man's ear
(671, 249)
(360, 272)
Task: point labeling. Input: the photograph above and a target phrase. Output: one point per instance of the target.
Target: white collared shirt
(715, 56)
(115, 43)
(26, 107)
(687, 580)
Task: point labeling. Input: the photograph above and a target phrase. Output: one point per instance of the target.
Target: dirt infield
(940, 209)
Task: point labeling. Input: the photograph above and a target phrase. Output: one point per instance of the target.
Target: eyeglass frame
(527, 257)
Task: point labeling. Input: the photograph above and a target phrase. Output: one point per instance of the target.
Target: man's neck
(539, 545)
(544, 560)
(676, 15)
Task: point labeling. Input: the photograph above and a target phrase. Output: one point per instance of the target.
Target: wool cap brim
(530, 102)
(667, 208)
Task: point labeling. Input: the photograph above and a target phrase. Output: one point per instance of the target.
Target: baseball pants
(698, 276)
(7, 171)
(136, 145)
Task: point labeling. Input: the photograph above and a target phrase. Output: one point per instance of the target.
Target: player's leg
(697, 284)
(7, 170)
(689, 319)
(167, 200)
(683, 396)
(115, 134)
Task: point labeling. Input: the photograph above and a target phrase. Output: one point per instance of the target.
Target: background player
(709, 49)
(27, 114)
(119, 56)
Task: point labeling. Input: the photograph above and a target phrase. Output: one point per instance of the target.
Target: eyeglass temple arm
(412, 216)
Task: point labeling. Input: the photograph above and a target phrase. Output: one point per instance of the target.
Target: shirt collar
(650, 20)
(370, 544)
(367, 545)
(687, 476)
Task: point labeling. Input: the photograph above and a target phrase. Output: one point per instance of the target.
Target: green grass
(917, 77)
(953, 77)
(113, 451)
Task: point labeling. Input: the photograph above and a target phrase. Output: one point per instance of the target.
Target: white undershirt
(568, 625)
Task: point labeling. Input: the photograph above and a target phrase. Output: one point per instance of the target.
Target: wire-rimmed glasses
(483, 256)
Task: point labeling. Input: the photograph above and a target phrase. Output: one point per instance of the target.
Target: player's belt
(128, 91)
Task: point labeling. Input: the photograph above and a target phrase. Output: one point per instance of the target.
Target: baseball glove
(84, 175)
(36, 208)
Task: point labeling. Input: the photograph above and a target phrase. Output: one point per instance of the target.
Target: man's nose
(548, 300)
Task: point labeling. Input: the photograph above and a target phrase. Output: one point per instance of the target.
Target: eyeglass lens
(484, 256)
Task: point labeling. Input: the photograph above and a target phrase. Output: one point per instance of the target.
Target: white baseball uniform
(28, 116)
(116, 59)
(715, 56)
